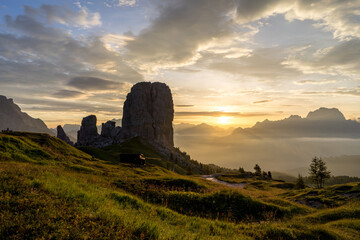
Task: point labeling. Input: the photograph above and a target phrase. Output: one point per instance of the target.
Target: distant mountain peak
(13, 118)
(329, 114)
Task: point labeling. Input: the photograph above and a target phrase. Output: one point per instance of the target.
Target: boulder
(62, 135)
(148, 112)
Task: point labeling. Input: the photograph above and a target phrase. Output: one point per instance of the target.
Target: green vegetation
(333, 180)
(49, 189)
(300, 184)
(318, 172)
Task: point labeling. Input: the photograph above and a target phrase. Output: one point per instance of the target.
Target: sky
(227, 62)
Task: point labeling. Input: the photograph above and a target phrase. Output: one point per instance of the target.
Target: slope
(13, 118)
(49, 189)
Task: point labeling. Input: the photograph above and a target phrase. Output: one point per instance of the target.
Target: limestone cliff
(148, 112)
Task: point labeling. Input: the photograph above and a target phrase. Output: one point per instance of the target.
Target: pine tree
(318, 172)
(257, 170)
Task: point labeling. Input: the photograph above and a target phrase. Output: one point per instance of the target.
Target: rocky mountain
(13, 118)
(323, 122)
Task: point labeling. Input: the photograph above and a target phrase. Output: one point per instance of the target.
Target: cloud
(251, 10)
(339, 91)
(184, 29)
(39, 54)
(184, 106)
(181, 30)
(120, 3)
(336, 16)
(340, 59)
(316, 82)
(262, 101)
(44, 54)
(264, 63)
(67, 94)
(220, 114)
(126, 2)
(33, 28)
(50, 105)
(93, 84)
(63, 15)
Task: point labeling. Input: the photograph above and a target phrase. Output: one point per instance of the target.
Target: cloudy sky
(228, 62)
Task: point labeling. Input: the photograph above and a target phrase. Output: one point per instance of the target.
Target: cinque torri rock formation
(149, 112)
(12, 118)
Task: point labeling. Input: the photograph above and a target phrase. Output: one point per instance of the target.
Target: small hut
(133, 158)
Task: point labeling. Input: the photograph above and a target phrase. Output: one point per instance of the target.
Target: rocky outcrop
(88, 131)
(148, 112)
(11, 117)
(88, 134)
(62, 135)
(106, 128)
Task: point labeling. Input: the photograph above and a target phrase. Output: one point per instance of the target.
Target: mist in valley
(286, 145)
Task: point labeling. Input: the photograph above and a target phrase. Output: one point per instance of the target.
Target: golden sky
(227, 62)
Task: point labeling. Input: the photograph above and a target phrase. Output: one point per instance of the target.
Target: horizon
(241, 63)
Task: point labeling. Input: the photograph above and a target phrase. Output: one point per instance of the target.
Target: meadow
(50, 190)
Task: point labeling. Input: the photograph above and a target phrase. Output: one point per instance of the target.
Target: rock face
(88, 131)
(13, 118)
(62, 135)
(148, 112)
(106, 128)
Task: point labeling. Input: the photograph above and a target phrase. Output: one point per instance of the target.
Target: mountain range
(322, 123)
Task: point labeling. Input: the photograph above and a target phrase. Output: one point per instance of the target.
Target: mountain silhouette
(11, 117)
(323, 122)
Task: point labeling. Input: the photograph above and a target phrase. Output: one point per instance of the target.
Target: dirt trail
(214, 179)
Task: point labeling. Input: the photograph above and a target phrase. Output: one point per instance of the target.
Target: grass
(134, 145)
(49, 189)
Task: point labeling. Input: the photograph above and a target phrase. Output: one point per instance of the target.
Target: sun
(223, 120)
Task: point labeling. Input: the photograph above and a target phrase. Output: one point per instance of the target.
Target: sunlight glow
(223, 120)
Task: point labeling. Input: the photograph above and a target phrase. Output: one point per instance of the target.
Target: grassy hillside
(134, 145)
(49, 189)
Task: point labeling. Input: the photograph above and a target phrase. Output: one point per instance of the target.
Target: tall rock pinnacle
(62, 135)
(148, 112)
(88, 131)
